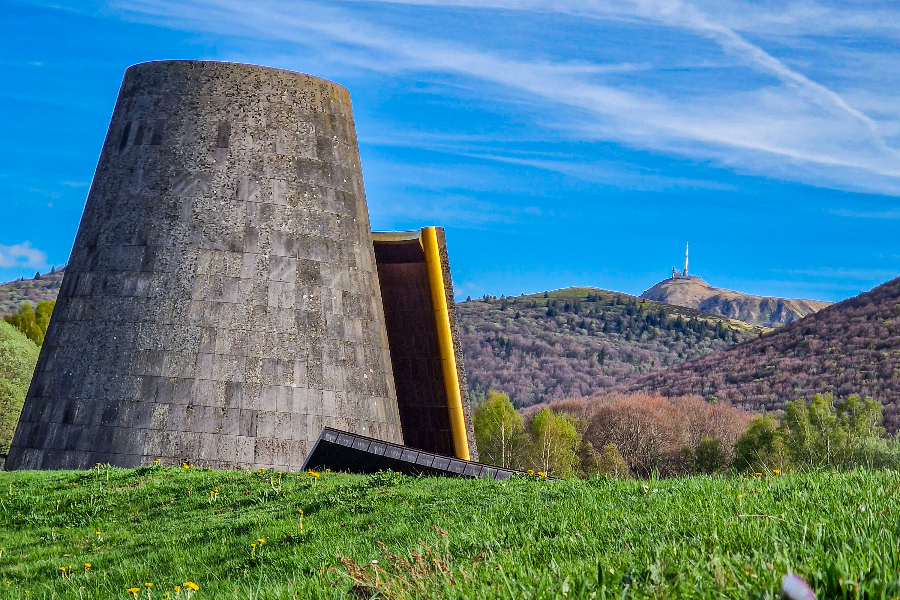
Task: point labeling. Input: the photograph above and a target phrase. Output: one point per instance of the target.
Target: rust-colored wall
(413, 343)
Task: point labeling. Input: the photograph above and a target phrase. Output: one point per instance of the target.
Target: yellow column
(445, 341)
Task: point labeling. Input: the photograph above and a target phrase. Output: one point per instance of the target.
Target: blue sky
(559, 142)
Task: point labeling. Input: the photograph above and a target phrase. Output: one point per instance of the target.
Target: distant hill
(570, 342)
(18, 355)
(579, 341)
(15, 293)
(849, 347)
(756, 310)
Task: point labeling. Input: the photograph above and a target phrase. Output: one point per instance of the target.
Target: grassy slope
(537, 358)
(688, 538)
(15, 293)
(18, 355)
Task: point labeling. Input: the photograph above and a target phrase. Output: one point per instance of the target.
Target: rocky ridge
(757, 310)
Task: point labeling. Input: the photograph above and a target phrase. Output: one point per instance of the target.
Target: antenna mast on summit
(685, 258)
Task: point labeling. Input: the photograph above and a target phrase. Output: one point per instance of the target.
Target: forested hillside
(849, 347)
(570, 342)
(578, 341)
(14, 294)
(18, 355)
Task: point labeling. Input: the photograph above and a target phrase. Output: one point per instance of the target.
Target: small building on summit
(226, 301)
(684, 273)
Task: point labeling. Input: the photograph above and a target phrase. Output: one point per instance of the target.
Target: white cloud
(22, 256)
(451, 210)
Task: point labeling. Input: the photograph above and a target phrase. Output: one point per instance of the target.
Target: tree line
(33, 321)
(820, 433)
(641, 435)
(852, 347)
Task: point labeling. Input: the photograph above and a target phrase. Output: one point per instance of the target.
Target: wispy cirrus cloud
(842, 274)
(866, 214)
(780, 123)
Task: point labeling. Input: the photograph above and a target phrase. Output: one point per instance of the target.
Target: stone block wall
(221, 303)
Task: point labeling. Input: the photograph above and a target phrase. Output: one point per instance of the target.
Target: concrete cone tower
(221, 303)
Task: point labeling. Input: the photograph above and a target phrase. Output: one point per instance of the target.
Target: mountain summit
(694, 292)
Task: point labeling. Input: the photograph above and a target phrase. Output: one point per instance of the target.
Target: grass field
(686, 538)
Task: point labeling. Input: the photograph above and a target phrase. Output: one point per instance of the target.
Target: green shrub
(606, 463)
(33, 322)
(820, 433)
(612, 464)
(710, 456)
(876, 454)
(762, 447)
(18, 355)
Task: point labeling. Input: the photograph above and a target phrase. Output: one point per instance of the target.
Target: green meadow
(273, 535)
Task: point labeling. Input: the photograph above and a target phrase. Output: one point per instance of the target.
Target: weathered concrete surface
(221, 302)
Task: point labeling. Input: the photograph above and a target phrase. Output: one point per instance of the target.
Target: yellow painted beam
(445, 341)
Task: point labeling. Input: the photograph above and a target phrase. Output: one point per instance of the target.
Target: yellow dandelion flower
(542, 474)
(759, 474)
(133, 590)
(157, 461)
(177, 589)
(776, 471)
(313, 474)
(328, 470)
(191, 586)
(186, 466)
(149, 584)
(261, 541)
(63, 569)
(253, 545)
(530, 472)
(97, 532)
(87, 565)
